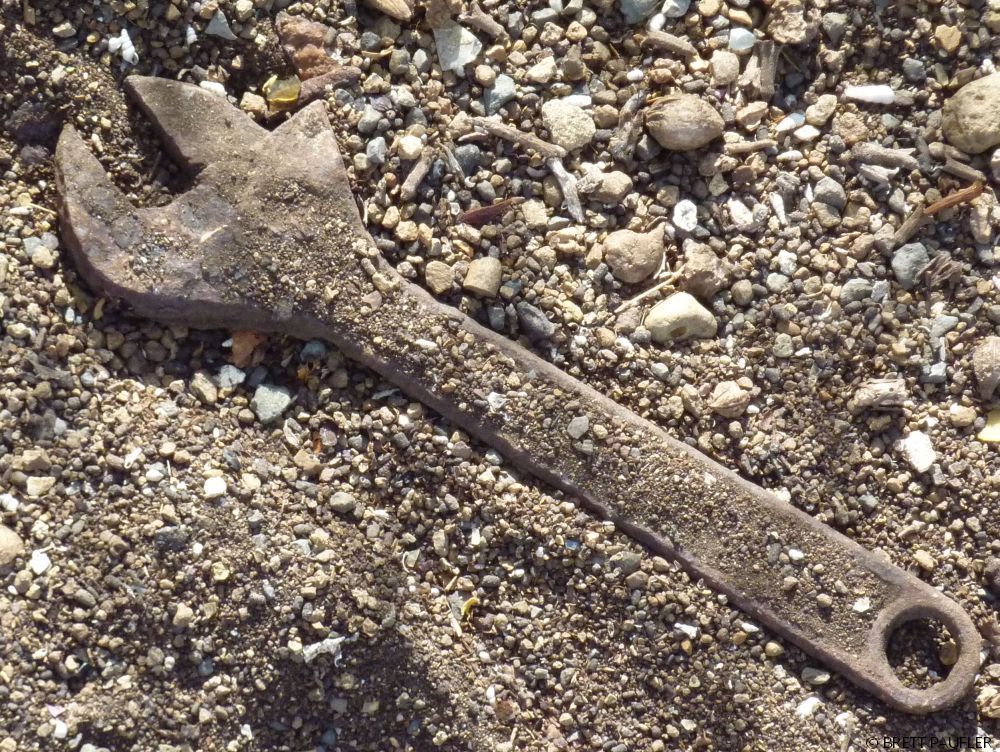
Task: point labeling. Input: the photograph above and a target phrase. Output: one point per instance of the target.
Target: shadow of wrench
(269, 238)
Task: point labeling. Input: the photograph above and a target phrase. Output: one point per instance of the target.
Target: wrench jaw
(196, 126)
(103, 232)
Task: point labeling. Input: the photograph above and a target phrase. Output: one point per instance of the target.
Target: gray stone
(500, 93)
(343, 502)
(855, 290)
(369, 120)
(456, 47)
(534, 322)
(218, 26)
(377, 150)
(635, 11)
(914, 70)
(230, 376)
(835, 24)
(269, 402)
(907, 262)
(829, 191)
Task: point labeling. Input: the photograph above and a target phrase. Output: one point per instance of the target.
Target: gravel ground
(214, 540)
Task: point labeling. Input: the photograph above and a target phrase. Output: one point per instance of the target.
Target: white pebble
(872, 94)
(862, 605)
(685, 215)
(215, 487)
(808, 706)
(39, 562)
(918, 451)
(790, 123)
(741, 39)
(675, 8)
(807, 133)
(687, 629)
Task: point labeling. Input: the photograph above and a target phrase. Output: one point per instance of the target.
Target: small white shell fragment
(795, 555)
(190, 35)
(687, 629)
(808, 706)
(749, 627)
(779, 208)
(741, 39)
(862, 605)
(871, 94)
(123, 44)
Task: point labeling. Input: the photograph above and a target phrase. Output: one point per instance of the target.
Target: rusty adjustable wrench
(269, 238)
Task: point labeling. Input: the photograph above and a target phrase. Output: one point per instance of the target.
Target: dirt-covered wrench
(269, 237)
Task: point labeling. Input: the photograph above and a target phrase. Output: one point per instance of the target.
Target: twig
(567, 183)
(519, 137)
(484, 215)
(767, 59)
(913, 222)
(420, 169)
(962, 170)
(674, 276)
(868, 151)
(746, 147)
(958, 197)
(661, 40)
(477, 18)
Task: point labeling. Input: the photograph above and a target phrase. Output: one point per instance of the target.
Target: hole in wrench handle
(910, 604)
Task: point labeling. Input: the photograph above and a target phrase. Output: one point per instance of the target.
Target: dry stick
(913, 222)
(964, 171)
(423, 165)
(568, 185)
(477, 18)
(661, 40)
(745, 147)
(767, 59)
(956, 198)
(519, 137)
(651, 291)
(484, 215)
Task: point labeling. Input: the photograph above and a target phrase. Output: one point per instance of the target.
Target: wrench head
(233, 250)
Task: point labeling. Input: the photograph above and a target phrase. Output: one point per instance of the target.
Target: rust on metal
(210, 259)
